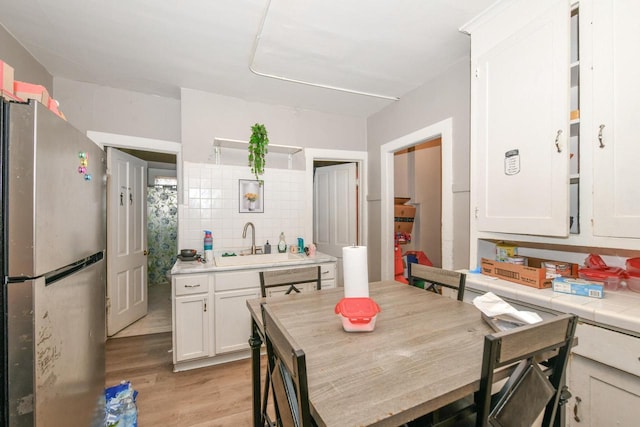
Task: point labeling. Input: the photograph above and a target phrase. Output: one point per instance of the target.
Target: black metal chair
(435, 277)
(289, 279)
(288, 372)
(531, 360)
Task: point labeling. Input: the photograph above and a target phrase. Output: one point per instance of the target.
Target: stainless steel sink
(229, 261)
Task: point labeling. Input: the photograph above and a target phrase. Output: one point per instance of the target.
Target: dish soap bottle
(282, 245)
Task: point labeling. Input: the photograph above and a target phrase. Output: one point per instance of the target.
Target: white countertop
(617, 309)
(188, 267)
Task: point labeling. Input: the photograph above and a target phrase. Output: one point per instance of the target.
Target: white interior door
(335, 210)
(126, 240)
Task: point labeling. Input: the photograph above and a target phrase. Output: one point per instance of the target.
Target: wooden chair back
(540, 353)
(288, 372)
(290, 278)
(434, 277)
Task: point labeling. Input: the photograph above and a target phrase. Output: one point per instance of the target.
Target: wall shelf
(236, 144)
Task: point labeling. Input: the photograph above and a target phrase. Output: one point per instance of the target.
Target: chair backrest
(288, 373)
(437, 277)
(290, 278)
(538, 354)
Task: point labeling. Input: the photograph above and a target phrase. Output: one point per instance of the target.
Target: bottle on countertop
(282, 244)
(208, 246)
(267, 248)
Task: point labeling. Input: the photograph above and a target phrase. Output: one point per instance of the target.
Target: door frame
(444, 130)
(359, 157)
(104, 139)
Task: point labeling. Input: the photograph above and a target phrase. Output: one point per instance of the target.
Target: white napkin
(494, 306)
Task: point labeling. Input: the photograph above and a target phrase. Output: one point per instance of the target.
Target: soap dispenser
(267, 248)
(282, 245)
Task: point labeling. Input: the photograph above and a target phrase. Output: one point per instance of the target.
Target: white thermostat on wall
(511, 162)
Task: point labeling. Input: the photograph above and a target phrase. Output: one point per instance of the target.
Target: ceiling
(374, 51)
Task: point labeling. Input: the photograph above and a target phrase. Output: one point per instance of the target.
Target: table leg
(255, 342)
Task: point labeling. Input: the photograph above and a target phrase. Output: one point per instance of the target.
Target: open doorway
(347, 170)
(417, 177)
(444, 131)
(161, 195)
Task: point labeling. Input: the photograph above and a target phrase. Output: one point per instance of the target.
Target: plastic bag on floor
(120, 409)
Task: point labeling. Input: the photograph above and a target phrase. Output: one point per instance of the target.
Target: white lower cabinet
(601, 395)
(232, 319)
(191, 317)
(211, 322)
(192, 327)
(604, 378)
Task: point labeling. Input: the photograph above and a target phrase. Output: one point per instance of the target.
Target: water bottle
(208, 246)
(129, 413)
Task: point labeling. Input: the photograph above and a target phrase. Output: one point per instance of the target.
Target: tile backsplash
(211, 202)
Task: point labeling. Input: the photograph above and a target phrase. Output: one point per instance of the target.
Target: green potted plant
(258, 150)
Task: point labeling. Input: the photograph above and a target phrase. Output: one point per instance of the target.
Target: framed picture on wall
(251, 196)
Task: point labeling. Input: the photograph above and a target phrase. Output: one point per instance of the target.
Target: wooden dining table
(425, 352)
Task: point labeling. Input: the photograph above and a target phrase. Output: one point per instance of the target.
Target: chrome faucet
(253, 236)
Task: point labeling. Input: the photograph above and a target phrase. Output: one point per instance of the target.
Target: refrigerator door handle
(53, 276)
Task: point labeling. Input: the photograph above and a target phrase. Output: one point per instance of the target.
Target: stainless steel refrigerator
(53, 289)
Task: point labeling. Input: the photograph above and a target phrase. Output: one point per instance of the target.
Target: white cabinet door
(601, 395)
(615, 126)
(191, 329)
(520, 109)
(232, 319)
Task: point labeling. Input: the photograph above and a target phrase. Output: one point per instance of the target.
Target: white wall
(25, 66)
(99, 108)
(206, 116)
(445, 96)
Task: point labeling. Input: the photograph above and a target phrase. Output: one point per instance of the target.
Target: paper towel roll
(355, 271)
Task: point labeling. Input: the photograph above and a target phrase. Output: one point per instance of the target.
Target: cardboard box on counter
(26, 91)
(581, 287)
(535, 277)
(533, 274)
(404, 216)
(505, 250)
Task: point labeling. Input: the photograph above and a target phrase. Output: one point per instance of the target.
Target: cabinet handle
(192, 286)
(558, 141)
(205, 306)
(576, 409)
(325, 272)
(600, 136)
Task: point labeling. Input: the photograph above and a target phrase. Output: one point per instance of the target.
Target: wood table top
(425, 352)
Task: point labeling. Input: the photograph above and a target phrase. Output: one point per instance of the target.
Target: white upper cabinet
(614, 130)
(520, 79)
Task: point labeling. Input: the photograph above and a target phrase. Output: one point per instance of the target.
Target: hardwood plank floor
(214, 396)
(158, 318)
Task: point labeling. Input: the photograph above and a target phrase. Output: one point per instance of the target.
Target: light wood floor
(214, 396)
(158, 318)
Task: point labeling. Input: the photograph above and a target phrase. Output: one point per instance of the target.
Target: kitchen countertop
(618, 310)
(188, 267)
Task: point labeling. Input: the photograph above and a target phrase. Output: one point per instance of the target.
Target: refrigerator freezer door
(65, 338)
(56, 213)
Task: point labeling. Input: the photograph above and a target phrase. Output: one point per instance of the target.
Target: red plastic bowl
(633, 265)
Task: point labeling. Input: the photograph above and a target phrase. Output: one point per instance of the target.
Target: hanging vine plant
(258, 150)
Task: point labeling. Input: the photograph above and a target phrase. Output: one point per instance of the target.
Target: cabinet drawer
(609, 347)
(328, 271)
(191, 284)
(237, 280)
